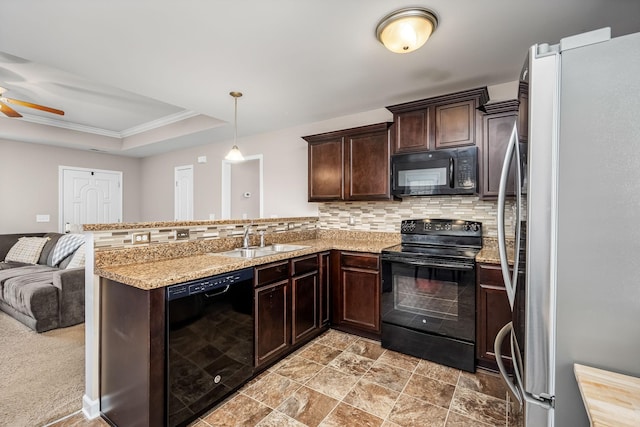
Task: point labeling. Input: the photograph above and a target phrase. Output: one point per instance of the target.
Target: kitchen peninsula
(133, 279)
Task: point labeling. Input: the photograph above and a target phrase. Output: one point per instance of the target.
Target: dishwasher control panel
(208, 284)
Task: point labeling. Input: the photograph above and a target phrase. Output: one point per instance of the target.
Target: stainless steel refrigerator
(574, 288)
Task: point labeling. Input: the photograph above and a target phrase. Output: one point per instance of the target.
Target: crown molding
(154, 124)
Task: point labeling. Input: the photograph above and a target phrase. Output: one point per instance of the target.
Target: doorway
(242, 188)
(184, 193)
(88, 196)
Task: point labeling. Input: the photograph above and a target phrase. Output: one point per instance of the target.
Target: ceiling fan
(10, 112)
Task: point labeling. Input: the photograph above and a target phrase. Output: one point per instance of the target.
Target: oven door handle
(429, 264)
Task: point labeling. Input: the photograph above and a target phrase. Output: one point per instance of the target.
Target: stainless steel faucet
(245, 238)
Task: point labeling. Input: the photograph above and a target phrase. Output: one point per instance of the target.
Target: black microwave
(449, 171)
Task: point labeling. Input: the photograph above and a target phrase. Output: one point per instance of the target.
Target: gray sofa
(41, 295)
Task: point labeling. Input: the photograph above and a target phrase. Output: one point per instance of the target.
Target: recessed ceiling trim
(154, 124)
(67, 125)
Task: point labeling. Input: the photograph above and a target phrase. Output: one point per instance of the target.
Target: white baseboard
(90, 408)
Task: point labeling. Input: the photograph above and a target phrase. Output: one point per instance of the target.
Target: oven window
(430, 299)
(426, 296)
(422, 177)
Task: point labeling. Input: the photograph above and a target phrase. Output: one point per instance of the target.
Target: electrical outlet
(141, 238)
(182, 234)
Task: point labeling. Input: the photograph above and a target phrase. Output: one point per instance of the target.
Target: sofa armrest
(71, 295)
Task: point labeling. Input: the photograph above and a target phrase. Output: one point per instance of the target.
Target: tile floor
(340, 379)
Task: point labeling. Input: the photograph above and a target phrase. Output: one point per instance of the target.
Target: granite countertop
(157, 274)
(611, 399)
(490, 253)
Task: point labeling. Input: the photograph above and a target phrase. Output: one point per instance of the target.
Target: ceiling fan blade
(36, 106)
(8, 111)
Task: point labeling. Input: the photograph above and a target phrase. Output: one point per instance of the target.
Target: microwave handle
(451, 184)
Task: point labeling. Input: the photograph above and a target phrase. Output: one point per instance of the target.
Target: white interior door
(184, 193)
(89, 196)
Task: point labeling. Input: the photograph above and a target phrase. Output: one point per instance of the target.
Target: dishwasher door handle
(217, 293)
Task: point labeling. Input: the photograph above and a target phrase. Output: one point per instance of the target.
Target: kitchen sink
(257, 252)
(283, 247)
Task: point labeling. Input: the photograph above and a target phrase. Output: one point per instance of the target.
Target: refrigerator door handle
(510, 282)
(544, 400)
(497, 349)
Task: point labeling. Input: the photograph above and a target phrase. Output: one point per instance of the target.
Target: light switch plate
(43, 218)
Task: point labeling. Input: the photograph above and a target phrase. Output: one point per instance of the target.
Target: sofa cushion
(48, 248)
(66, 245)
(8, 240)
(7, 265)
(27, 250)
(77, 260)
(25, 270)
(34, 296)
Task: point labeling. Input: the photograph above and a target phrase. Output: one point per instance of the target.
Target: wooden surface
(611, 399)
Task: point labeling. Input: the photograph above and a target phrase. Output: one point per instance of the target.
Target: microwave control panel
(466, 173)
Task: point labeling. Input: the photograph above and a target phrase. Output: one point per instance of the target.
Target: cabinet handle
(451, 183)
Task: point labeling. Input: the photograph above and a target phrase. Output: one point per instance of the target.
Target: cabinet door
(325, 280)
(455, 124)
(493, 313)
(357, 297)
(272, 323)
(368, 166)
(326, 174)
(304, 306)
(411, 131)
(497, 130)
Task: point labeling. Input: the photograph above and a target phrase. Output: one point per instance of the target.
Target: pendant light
(235, 155)
(406, 30)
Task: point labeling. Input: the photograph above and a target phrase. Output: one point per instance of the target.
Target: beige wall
(29, 183)
(245, 181)
(29, 173)
(284, 162)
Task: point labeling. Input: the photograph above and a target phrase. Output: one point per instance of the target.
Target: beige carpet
(41, 375)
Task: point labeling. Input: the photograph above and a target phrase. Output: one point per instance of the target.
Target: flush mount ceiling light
(405, 30)
(235, 155)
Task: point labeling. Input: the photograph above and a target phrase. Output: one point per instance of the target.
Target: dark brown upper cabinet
(446, 121)
(498, 119)
(350, 164)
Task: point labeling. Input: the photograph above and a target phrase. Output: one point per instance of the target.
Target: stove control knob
(408, 226)
(474, 227)
(447, 226)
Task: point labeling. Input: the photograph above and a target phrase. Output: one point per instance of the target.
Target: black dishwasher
(209, 342)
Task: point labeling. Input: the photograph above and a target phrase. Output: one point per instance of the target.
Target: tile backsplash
(386, 216)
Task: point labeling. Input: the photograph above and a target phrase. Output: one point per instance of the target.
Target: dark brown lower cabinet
(493, 312)
(272, 321)
(132, 354)
(287, 307)
(272, 311)
(356, 293)
(325, 294)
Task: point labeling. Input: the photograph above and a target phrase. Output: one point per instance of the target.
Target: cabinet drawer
(489, 274)
(304, 264)
(368, 261)
(270, 273)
